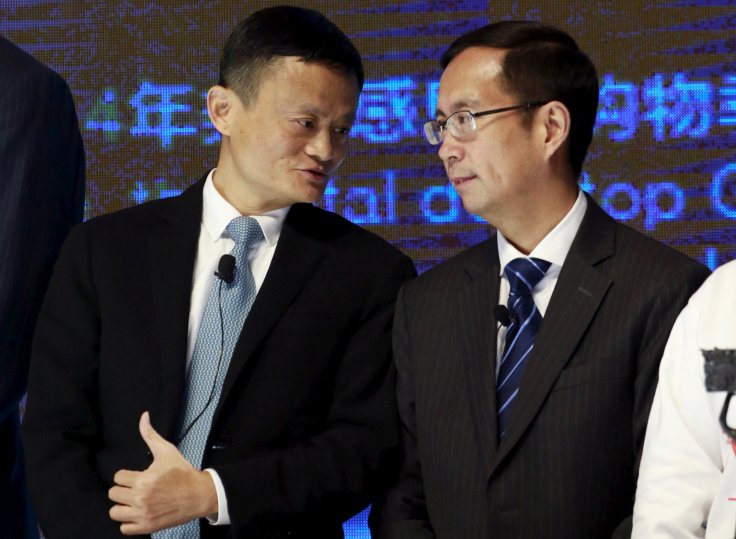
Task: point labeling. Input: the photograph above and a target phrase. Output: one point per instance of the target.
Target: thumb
(155, 442)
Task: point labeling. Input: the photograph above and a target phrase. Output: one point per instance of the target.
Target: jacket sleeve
(41, 197)
(402, 514)
(672, 296)
(62, 430)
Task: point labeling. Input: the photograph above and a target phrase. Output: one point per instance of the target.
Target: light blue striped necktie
(523, 275)
(224, 315)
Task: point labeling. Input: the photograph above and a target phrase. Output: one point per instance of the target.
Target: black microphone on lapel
(226, 268)
(501, 315)
(226, 273)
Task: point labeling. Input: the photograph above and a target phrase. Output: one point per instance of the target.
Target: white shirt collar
(555, 245)
(218, 212)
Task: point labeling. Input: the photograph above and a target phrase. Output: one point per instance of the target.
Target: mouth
(459, 180)
(315, 174)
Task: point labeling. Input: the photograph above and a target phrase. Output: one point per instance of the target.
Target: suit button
(218, 446)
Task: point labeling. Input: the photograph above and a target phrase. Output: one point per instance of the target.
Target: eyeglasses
(462, 123)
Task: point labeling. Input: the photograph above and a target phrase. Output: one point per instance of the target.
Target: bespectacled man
(527, 363)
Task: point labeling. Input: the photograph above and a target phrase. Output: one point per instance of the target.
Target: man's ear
(555, 122)
(219, 108)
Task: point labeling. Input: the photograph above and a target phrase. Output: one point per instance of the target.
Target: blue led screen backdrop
(663, 158)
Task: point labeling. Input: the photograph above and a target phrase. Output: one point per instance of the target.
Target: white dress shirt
(214, 241)
(687, 477)
(553, 248)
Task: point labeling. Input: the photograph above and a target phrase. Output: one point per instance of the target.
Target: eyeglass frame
(473, 115)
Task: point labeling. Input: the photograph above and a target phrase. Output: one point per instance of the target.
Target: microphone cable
(225, 272)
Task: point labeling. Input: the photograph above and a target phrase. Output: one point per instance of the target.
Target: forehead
(290, 82)
(472, 78)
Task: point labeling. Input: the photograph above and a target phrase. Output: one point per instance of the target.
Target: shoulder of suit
(312, 217)
(17, 61)
(478, 258)
(639, 249)
(333, 228)
(308, 219)
(139, 216)
(136, 211)
(644, 248)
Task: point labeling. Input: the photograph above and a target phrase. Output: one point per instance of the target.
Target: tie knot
(524, 274)
(245, 231)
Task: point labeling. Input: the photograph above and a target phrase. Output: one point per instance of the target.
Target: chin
(470, 207)
(313, 195)
(478, 211)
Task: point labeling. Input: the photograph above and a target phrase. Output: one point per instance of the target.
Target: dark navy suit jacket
(41, 196)
(307, 410)
(567, 466)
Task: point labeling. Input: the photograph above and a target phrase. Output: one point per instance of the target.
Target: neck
(531, 223)
(239, 195)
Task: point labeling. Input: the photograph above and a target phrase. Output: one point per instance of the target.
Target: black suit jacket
(567, 466)
(41, 196)
(307, 408)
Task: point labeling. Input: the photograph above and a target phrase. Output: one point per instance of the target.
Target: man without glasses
(260, 398)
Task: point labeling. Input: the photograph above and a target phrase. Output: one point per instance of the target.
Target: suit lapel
(172, 247)
(300, 249)
(577, 296)
(477, 326)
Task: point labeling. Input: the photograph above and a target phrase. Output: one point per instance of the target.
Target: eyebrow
(316, 111)
(465, 104)
(307, 109)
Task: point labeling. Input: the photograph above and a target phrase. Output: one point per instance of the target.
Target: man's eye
(306, 123)
(461, 119)
(342, 131)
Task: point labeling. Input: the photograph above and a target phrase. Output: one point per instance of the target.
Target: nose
(320, 146)
(450, 148)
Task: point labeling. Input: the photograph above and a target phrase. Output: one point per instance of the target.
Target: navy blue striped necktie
(523, 275)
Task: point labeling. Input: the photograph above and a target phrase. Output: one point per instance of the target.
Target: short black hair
(543, 63)
(276, 32)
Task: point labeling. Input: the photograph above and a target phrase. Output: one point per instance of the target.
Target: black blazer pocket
(597, 372)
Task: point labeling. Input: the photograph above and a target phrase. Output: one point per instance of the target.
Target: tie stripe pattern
(523, 275)
(224, 315)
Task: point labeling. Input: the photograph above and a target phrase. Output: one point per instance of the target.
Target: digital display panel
(663, 158)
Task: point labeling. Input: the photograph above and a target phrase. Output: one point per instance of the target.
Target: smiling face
(495, 170)
(282, 147)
